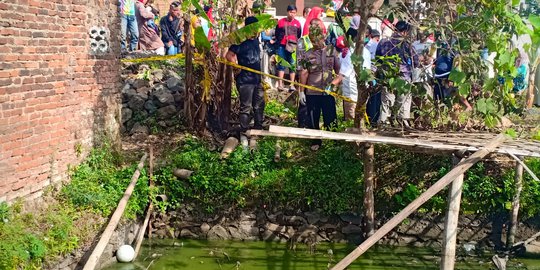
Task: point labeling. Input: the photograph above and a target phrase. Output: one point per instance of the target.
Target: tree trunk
(368, 223)
(188, 100)
(451, 222)
(515, 206)
(367, 8)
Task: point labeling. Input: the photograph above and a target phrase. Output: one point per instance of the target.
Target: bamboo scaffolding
(413, 206)
(115, 219)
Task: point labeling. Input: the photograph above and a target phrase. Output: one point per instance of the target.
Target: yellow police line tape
(235, 65)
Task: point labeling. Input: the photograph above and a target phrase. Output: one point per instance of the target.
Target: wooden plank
(448, 258)
(463, 144)
(438, 186)
(115, 218)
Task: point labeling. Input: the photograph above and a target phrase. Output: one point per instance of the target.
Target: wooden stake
(369, 186)
(115, 218)
(515, 206)
(142, 229)
(451, 222)
(442, 183)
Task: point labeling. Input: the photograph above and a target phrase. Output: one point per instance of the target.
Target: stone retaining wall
(311, 228)
(151, 100)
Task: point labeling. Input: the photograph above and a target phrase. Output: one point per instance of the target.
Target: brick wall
(56, 99)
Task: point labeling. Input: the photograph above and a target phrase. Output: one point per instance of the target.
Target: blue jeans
(172, 50)
(129, 23)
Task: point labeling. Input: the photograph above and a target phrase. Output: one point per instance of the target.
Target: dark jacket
(170, 30)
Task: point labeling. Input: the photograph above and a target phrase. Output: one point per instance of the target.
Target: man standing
(250, 90)
(171, 32)
(288, 31)
(373, 106)
(373, 42)
(317, 66)
(408, 59)
(128, 23)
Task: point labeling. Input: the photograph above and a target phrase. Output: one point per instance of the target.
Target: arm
(231, 57)
(303, 78)
(265, 37)
(337, 66)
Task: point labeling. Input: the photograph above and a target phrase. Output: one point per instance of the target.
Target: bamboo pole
(115, 218)
(368, 223)
(140, 235)
(515, 206)
(531, 173)
(451, 222)
(442, 183)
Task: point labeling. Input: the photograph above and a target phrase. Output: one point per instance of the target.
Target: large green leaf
(535, 21)
(457, 76)
(201, 41)
(247, 32)
(197, 6)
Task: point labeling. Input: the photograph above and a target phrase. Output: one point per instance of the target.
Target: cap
(250, 20)
(291, 7)
(375, 33)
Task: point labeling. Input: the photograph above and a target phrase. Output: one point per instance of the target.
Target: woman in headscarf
(315, 13)
(148, 36)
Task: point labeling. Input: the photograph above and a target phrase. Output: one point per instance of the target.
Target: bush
(301, 179)
(99, 183)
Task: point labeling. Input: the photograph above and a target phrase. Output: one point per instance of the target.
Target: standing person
(398, 45)
(352, 32)
(250, 90)
(349, 87)
(148, 37)
(304, 18)
(128, 23)
(375, 37)
(373, 106)
(316, 67)
(288, 32)
(314, 14)
(171, 32)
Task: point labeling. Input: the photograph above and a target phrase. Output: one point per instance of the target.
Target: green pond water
(230, 255)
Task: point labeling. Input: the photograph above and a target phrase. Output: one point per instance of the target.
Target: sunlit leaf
(201, 41)
(247, 32)
(457, 76)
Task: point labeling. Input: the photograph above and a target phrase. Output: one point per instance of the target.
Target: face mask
(366, 40)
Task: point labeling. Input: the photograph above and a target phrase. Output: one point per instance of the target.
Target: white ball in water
(125, 254)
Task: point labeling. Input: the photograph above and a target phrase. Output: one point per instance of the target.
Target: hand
(302, 97)
(169, 44)
(272, 41)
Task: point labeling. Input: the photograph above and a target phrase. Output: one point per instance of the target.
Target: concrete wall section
(56, 96)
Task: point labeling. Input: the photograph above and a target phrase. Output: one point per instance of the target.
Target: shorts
(285, 55)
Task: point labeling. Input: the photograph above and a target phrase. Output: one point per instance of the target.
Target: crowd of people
(142, 28)
(316, 54)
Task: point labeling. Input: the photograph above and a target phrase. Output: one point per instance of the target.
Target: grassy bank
(34, 235)
(329, 181)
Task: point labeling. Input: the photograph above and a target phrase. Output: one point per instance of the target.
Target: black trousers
(251, 99)
(317, 104)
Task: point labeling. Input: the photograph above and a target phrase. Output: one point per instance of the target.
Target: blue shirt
(248, 54)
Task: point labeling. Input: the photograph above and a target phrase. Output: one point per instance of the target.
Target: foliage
(236, 37)
(28, 238)
(31, 237)
(300, 179)
(97, 184)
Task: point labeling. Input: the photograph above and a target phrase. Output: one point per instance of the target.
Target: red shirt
(288, 30)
